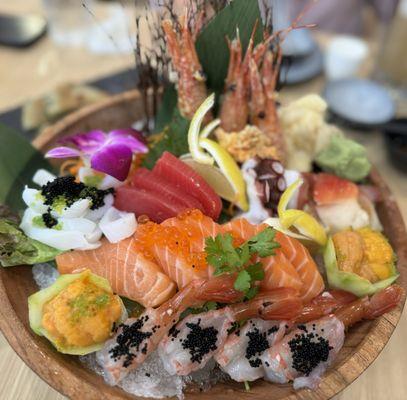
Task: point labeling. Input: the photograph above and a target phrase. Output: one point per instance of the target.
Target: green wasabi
(344, 158)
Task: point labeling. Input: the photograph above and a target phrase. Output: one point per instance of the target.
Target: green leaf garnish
(263, 243)
(243, 281)
(227, 259)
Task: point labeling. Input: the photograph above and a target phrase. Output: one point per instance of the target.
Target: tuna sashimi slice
(145, 179)
(329, 189)
(142, 202)
(184, 177)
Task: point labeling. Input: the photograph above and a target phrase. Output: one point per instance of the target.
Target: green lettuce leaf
(348, 280)
(16, 248)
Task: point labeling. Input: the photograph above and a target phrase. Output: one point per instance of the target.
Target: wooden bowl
(67, 375)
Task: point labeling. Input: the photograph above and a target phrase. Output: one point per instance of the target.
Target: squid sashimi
(129, 273)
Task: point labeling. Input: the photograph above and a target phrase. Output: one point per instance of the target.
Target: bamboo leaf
(211, 44)
(213, 51)
(19, 160)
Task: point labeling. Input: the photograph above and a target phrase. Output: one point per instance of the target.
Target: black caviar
(200, 341)
(48, 219)
(308, 350)
(131, 337)
(258, 343)
(67, 189)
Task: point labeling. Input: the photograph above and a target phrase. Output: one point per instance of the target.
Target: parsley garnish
(227, 259)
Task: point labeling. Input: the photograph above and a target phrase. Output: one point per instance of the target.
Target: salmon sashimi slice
(329, 189)
(299, 256)
(154, 183)
(129, 273)
(291, 266)
(196, 226)
(142, 202)
(279, 272)
(185, 178)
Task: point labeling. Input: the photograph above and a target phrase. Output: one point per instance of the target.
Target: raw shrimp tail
(372, 308)
(191, 79)
(220, 289)
(324, 304)
(277, 304)
(186, 297)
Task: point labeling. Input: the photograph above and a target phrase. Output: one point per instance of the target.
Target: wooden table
(32, 72)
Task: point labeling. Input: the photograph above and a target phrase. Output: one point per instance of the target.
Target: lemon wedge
(195, 149)
(215, 178)
(303, 222)
(230, 170)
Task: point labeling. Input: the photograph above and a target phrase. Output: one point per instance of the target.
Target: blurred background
(59, 55)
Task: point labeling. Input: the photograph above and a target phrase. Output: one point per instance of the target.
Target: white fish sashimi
(96, 215)
(33, 199)
(117, 225)
(42, 177)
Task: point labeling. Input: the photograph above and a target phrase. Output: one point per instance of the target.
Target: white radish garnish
(118, 225)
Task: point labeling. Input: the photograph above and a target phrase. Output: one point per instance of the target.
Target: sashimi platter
(239, 243)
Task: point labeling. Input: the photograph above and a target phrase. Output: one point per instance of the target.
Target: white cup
(344, 56)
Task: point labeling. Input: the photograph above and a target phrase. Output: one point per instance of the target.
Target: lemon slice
(305, 223)
(195, 149)
(231, 171)
(215, 178)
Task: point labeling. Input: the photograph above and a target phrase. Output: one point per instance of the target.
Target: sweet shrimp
(240, 355)
(136, 338)
(306, 352)
(190, 344)
(191, 85)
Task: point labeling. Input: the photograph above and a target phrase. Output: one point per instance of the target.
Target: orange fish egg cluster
(176, 238)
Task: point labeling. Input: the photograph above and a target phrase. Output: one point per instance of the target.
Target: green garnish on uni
(227, 259)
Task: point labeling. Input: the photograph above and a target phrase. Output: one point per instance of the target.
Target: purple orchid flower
(110, 153)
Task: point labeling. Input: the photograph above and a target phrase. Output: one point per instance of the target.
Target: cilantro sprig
(227, 259)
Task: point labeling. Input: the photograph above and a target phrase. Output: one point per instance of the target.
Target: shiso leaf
(18, 162)
(18, 249)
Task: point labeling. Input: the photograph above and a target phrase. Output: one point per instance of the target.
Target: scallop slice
(42, 177)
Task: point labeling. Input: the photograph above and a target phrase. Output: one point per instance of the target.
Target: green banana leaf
(19, 160)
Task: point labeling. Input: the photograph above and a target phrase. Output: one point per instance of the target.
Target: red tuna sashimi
(142, 202)
(184, 177)
(330, 189)
(153, 183)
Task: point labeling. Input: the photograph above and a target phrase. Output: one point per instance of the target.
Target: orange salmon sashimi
(177, 245)
(291, 266)
(130, 273)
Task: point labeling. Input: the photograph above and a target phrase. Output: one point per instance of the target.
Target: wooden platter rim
(31, 349)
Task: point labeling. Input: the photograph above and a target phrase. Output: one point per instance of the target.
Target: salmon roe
(179, 238)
